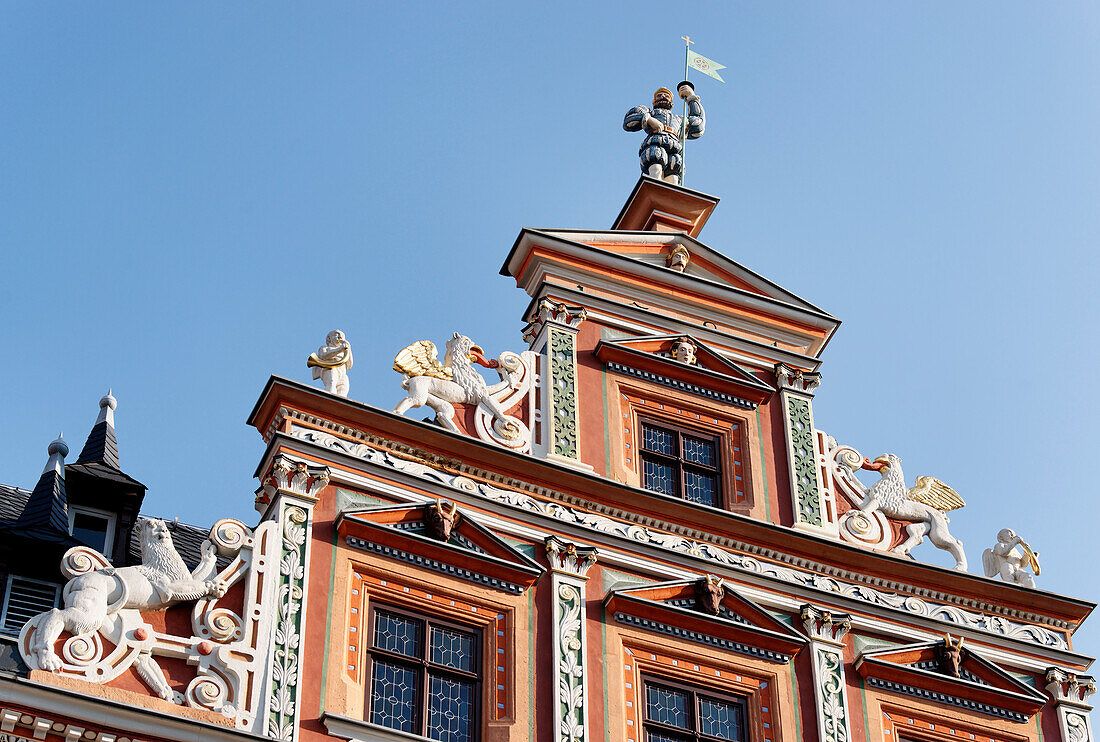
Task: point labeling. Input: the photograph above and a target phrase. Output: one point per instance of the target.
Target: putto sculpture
(441, 386)
(924, 506)
(331, 362)
(661, 153)
(1010, 559)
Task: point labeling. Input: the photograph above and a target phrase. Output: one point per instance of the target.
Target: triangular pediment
(655, 249)
(970, 681)
(678, 609)
(710, 374)
(462, 547)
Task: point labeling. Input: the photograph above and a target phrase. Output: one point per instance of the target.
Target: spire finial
(58, 450)
(107, 407)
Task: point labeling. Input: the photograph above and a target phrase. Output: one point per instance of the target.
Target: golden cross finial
(688, 40)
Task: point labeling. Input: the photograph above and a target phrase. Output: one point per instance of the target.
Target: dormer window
(93, 527)
(681, 463)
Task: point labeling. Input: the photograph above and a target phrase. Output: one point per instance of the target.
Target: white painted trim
(112, 524)
(358, 730)
(135, 721)
(574, 246)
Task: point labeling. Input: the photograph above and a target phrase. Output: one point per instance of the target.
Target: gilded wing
(936, 494)
(421, 359)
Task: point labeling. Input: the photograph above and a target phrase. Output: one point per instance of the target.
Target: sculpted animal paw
(216, 588)
(176, 698)
(49, 661)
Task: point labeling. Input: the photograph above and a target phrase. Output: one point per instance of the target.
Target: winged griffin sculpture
(441, 386)
(924, 506)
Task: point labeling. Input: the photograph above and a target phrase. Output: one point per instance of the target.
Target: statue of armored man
(662, 150)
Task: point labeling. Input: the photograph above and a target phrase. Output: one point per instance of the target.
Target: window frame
(678, 462)
(112, 524)
(423, 666)
(695, 692)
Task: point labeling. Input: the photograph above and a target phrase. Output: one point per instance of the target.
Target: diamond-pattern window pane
(658, 477)
(700, 488)
(393, 696)
(452, 648)
(397, 634)
(449, 712)
(699, 451)
(667, 706)
(658, 441)
(719, 719)
(659, 737)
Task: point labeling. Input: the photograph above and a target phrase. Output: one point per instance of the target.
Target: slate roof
(46, 509)
(101, 446)
(187, 538)
(12, 500)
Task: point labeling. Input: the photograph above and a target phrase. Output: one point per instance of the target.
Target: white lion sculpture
(94, 598)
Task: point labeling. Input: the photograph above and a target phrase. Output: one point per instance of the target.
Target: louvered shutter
(24, 599)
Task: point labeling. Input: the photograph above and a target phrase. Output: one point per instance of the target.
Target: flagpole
(684, 120)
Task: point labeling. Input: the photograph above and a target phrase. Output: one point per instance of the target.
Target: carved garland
(570, 664)
(284, 670)
(830, 668)
(995, 625)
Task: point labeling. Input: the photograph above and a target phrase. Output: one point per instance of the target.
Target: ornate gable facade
(630, 530)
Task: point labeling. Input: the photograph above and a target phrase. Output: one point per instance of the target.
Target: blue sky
(192, 194)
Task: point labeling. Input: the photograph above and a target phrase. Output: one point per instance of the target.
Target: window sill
(358, 730)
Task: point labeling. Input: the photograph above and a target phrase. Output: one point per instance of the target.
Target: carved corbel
(1071, 693)
(295, 477)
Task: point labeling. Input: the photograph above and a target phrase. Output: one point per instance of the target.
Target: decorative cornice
(931, 695)
(1066, 687)
(825, 625)
(434, 564)
(681, 385)
(806, 573)
(697, 636)
(568, 558)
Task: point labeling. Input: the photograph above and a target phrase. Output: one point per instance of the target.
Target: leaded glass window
(682, 713)
(681, 463)
(424, 675)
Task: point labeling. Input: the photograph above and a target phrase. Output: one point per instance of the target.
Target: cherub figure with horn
(1010, 559)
